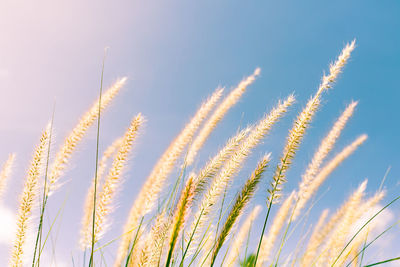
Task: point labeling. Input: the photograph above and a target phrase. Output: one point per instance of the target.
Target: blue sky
(175, 54)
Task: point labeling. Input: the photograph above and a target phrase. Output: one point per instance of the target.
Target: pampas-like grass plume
(338, 236)
(315, 240)
(303, 120)
(113, 180)
(233, 165)
(87, 219)
(28, 197)
(239, 239)
(325, 147)
(150, 191)
(281, 217)
(240, 203)
(344, 229)
(219, 113)
(72, 140)
(154, 243)
(179, 216)
(308, 192)
(214, 165)
(5, 173)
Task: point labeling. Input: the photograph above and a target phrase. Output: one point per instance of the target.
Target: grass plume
(239, 239)
(5, 173)
(325, 147)
(114, 180)
(78, 132)
(298, 130)
(150, 191)
(180, 216)
(219, 113)
(27, 199)
(232, 166)
(241, 201)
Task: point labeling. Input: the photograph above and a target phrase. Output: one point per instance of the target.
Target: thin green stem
(370, 243)
(134, 243)
(38, 241)
(382, 262)
(262, 232)
(362, 227)
(97, 161)
(270, 205)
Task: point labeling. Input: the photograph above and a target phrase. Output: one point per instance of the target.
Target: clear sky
(175, 53)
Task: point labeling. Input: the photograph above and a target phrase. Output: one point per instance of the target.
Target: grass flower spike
(150, 191)
(240, 203)
(28, 197)
(5, 172)
(314, 167)
(77, 134)
(219, 113)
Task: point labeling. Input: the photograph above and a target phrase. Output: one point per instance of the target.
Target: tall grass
(197, 221)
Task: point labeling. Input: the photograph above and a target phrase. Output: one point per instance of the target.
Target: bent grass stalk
(297, 132)
(325, 147)
(240, 203)
(179, 216)
(241, 236)
(154, 183)
(330, 242)
(235, 162)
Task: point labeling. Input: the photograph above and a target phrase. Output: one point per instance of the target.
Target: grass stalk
(97, 161)
(38, 242)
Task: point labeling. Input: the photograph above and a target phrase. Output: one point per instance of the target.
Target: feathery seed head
(5, 172)
(303, 120)
(77, 134)
(151, 189)
(113, 181)
(239, 239)
(310, 180)
(219, 113)
(233, 165)
(241, 201)
(86, 230)
(28, 198)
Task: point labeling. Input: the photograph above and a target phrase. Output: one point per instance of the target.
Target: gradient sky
(175, 54)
